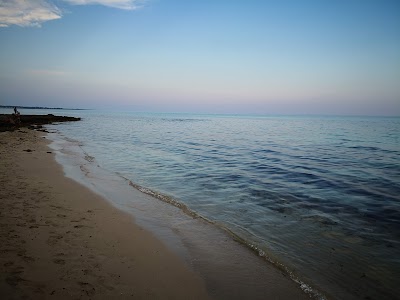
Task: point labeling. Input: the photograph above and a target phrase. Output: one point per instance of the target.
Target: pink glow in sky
(278, 57)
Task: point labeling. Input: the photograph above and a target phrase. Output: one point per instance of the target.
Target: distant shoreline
(260, 115)
(41, 107)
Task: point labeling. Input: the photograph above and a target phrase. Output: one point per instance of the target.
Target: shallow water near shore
(318, 196)
(227, 265)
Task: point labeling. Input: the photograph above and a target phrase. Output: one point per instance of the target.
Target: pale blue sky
(219, 56)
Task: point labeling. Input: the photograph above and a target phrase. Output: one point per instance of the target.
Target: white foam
(208, 249)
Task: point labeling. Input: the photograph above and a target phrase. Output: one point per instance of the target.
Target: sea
(316, 196)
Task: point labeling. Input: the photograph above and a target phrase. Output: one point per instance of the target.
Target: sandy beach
(60, 240)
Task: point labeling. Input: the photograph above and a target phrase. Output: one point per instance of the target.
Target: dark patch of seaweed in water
(306, 287)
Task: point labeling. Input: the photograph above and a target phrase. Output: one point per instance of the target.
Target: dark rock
(32, 121)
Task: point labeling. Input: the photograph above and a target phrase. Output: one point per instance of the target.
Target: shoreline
(267, 258)
(231, 268)
(180, 276)
(60, 239)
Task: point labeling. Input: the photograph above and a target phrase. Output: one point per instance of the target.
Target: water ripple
(319, 194)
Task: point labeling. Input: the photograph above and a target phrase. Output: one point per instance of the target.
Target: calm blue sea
(318, 195)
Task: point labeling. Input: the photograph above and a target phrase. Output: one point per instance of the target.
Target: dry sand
(60, 240)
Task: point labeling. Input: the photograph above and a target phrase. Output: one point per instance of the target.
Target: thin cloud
(121, 4)
(32, 13)
(27, 13)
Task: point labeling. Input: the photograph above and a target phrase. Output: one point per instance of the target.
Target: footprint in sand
(59, 261)
(28, 258)
(14, 280)
(87, 288)
(52, 240)
(86, 272)
(9, 264)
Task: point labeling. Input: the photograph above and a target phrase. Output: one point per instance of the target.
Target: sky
(338, 57)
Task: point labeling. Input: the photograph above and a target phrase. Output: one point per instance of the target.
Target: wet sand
(60, 240)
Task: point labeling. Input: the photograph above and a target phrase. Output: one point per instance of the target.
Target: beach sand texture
(60, 240)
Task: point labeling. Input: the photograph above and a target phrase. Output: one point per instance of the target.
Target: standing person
(17, 118)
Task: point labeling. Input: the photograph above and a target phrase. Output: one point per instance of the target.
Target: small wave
(307, 288)
(373, 149)
(164, 198)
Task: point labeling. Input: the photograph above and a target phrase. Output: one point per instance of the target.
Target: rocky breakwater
(9, 122)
